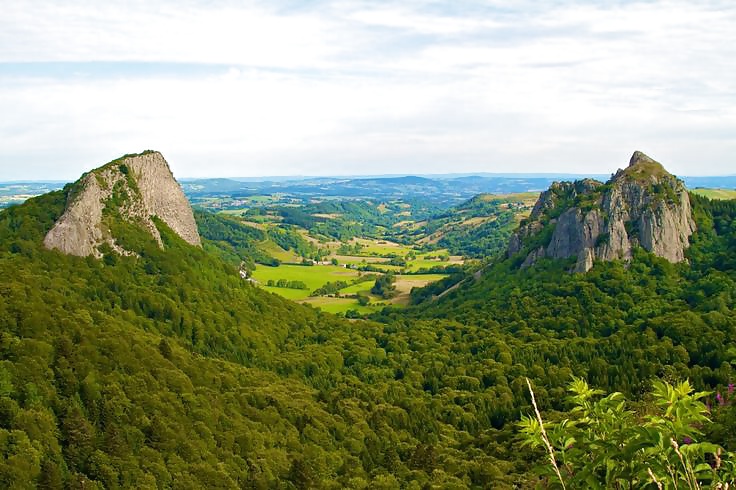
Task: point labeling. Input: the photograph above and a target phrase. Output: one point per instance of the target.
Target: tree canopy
(168, 370)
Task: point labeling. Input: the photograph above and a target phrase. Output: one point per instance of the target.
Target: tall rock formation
(642, 205)
(134, 188)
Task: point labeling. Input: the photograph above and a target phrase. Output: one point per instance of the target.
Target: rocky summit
(640, 206)
(136, 189)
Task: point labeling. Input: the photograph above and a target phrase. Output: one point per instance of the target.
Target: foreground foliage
(607, 445)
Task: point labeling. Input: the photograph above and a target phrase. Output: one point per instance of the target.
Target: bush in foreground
(606, 445)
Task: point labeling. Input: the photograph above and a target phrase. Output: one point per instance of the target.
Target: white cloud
(353, 87)
(173, 32)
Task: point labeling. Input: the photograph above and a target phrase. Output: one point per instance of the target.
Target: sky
(319, 87)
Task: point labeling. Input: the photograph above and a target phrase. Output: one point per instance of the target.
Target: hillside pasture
(716, 193)
(313, 276)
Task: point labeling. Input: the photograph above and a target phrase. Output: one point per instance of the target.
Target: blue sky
(281, 87)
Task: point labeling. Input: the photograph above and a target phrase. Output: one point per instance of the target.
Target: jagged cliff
(642, 205)
(134, 188)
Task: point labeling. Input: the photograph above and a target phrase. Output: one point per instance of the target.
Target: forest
(168, 370)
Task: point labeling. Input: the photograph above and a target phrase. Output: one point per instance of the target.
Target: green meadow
(363, 287)
(374, 252)
(382, 248)
(340, 305)
(313, 276)
(286, 256)
(318, 275)
(233, 212)
(424, 262)
(716, 193)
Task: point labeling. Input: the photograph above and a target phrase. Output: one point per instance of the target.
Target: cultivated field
(716, 193)
(373, 253)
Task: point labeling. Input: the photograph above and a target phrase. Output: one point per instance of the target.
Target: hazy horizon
(277, 178)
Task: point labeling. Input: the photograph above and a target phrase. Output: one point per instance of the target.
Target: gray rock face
(162, 196)
(640, 158)
(78, 231)
(533, 256)
(576, 234)
(641, 206)
(135, 188)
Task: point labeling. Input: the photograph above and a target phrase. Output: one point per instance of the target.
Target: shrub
(606, 445)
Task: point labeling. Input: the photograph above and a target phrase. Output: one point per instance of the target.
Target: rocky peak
(640, 206)
(643, 169)
(639, 158)
(133, 188)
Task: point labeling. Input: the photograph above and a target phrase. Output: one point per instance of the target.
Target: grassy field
(313, 276)
(317, 275)
(286, 256)
(339, 305)
(423, 262)
(381, 248)
(525, 197)
(373, 252)
(363, 287)
(264, 199)
(372, 248)
(357, 259)
(404, 285)
(415, 279)
(716, 193)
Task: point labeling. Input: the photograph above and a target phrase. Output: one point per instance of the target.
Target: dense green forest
(620, 323)
(235, 241)
(170, 371)
(478, 228)
(343, 219)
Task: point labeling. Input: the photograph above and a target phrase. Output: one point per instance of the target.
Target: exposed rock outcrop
(642, 205)
(134, 188)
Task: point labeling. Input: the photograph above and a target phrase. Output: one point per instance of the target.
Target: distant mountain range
(443, 190)
(720, 181)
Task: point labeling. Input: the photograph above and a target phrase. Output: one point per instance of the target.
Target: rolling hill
(153, 364)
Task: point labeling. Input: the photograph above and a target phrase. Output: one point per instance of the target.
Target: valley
(351, 280)
(342, 342)
(327, 245)
(329, 252)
